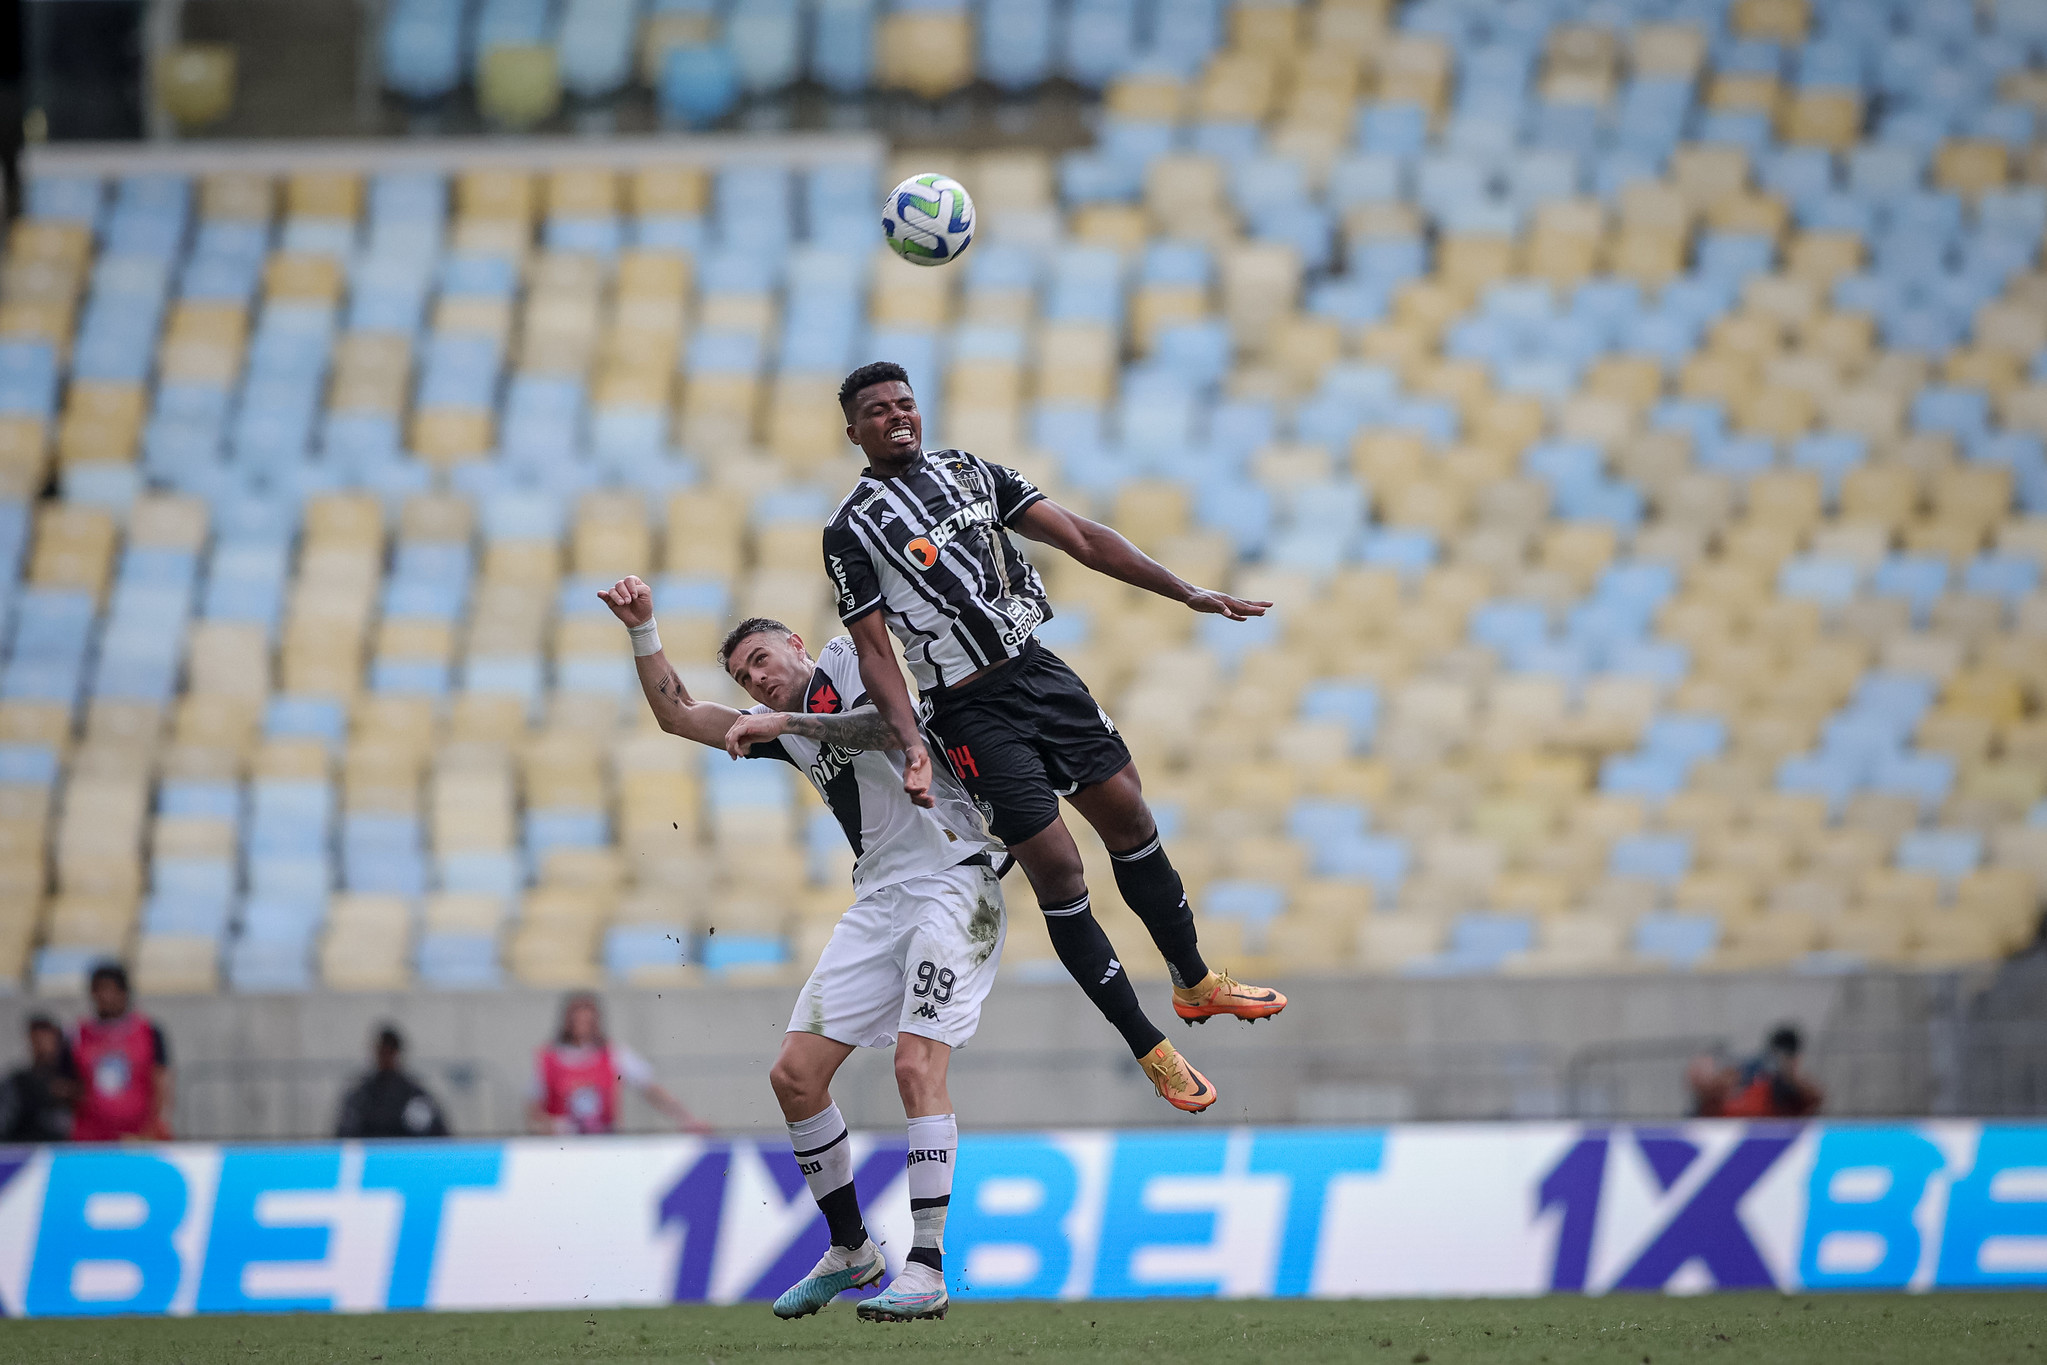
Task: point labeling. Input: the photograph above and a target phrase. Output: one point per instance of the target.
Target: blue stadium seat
(1660, 858)
(727, 952)
(200, 912)
(1652, 776)
(1678, 940)
(1832, 583)
(267, 965)
(632, 947)
(1949, 854)
(1356, 704)
(1319, 823)
(1381, 860)
(1925, 777)
(699, 84)
(2007, 576)
(1919, 579)
(500, 874)
(1479, 944)
(1251, 902)
(451, 961)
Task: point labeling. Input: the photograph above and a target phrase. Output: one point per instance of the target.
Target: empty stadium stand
(1636, 409)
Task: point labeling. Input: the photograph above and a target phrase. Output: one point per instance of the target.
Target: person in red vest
(576, 1078)
(1770, 1085)
(123, 1066)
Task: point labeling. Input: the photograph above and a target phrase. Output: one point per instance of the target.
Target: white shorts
(916, 957)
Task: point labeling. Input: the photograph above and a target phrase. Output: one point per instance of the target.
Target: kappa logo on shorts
(924, 1011)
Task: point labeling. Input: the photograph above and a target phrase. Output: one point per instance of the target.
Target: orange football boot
(1179, 1084)
(1221, 993)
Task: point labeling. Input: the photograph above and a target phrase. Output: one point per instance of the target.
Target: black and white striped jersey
(931, 549)
(893, 838)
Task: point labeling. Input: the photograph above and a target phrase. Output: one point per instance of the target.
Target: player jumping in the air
(908, 964)
(921, 548)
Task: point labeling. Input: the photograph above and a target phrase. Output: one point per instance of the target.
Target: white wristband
(646, 638)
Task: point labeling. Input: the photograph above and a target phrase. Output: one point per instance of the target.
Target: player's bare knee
(794, 1085)
(918, 1076)
(1055, 874)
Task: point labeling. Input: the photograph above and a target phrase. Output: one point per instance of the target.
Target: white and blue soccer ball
(928, 219)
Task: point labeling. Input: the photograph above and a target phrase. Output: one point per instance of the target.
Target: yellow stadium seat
(92, 919)
(171, 964)
(1390, 942)
(1650, 256)
(74, 547)
(928, 54)
(1970, 166)
(1261, 283)
(1415, 69)
(1825, 117)
(1154, 97)
(323, 194)
(247, 196)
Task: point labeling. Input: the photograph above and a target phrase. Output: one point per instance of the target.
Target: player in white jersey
(909, 964)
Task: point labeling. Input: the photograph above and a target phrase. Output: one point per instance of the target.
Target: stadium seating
(1636, 411)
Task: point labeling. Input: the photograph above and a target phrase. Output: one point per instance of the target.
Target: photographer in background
(35, 1101)
(1770, 1085)
(388, 1102)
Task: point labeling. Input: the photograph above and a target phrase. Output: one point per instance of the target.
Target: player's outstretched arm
(706, 722)
(1106, 551)
(891, 696)
(865, 728)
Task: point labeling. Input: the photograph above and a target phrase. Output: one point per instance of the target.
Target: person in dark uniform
(35, 1101)
(13, 103)
(921, 550)
(388, 1103)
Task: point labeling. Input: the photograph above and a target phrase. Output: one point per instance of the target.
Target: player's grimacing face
(886, 423)
(773, 670)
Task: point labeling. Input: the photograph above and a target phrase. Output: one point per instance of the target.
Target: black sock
(841, 1208)
(1152, 888)
(1090, 959)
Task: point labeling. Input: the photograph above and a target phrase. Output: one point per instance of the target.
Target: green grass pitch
(1981, 1329)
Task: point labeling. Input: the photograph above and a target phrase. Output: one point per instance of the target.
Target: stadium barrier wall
(1406, 1210)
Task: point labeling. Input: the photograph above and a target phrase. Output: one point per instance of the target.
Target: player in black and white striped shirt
(920, 548)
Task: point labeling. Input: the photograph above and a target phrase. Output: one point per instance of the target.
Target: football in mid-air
(928, 219)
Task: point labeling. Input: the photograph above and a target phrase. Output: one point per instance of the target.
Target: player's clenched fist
(754, 728)
(630, 600)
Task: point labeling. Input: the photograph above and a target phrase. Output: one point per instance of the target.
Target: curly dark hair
(866, 377)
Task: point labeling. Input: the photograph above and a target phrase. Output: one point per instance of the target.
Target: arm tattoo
(863, 729)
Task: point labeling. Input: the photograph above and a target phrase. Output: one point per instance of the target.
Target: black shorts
(1024, 736)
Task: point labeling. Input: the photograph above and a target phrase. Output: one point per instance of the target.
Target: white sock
(825, 1157)
(934, 1141)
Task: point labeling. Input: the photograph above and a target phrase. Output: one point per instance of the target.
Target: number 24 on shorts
(934, 981)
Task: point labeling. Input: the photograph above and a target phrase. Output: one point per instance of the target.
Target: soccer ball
(928, 219)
